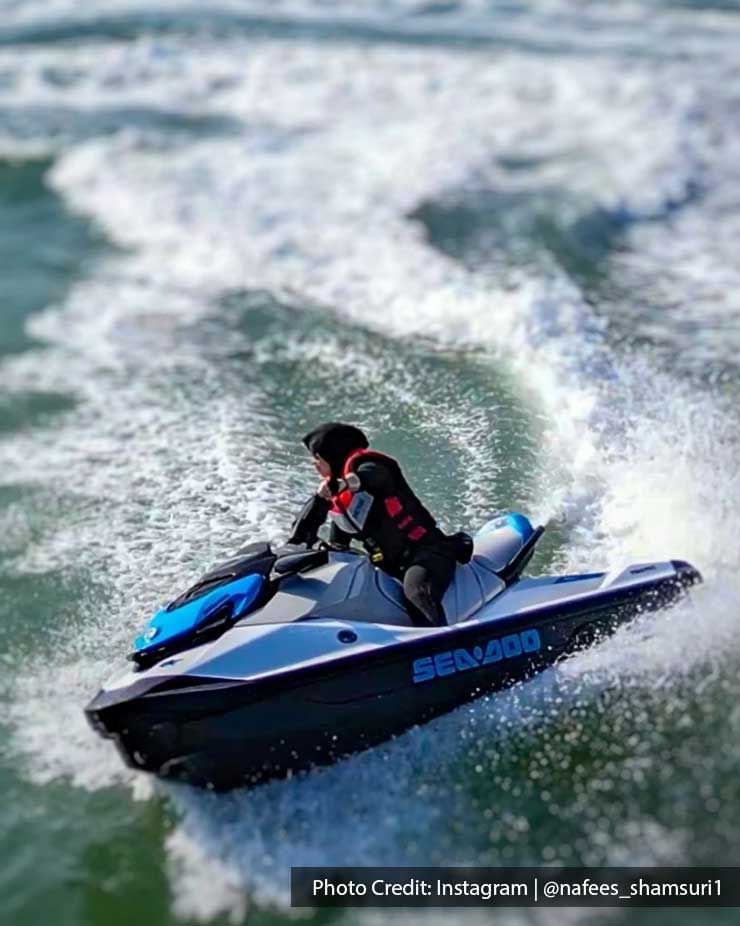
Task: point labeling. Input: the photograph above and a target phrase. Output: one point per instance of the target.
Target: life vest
(389, 526)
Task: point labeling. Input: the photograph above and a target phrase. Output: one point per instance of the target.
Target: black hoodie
(334, 442)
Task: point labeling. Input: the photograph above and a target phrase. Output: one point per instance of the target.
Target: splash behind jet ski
(278, 660)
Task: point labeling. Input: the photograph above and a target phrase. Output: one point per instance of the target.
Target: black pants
(425, 580)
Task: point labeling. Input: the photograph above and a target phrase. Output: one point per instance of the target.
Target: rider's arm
(306, 526)
(338, 537)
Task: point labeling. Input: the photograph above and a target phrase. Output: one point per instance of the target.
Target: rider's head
(331, 444)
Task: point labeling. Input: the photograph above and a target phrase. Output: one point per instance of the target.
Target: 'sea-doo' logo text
(460, 660)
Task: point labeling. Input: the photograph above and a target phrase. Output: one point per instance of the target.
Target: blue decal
(530, 640)
(423, 669)
(493, 652)
(464, 660)
(166, 625)
(444, 664)
(511, 646)
(461, 660)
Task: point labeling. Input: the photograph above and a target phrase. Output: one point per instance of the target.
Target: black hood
(335, 442)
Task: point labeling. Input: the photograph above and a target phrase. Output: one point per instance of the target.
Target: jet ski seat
(501, 549)
(349, 587)
(472, 586)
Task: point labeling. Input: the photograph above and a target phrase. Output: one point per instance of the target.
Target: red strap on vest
(341, 501)
(393, 506)
(349, 463)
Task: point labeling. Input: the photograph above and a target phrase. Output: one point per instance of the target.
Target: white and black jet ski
(279, 660)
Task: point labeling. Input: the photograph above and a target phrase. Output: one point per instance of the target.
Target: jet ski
(279, 660)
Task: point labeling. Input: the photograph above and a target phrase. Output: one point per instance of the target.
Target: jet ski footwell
(270, 698)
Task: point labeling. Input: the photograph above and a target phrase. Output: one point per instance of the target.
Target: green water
(42, 249)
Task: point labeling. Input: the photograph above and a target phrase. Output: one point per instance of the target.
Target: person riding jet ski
(367, 498)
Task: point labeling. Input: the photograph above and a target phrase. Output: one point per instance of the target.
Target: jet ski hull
(223, 732)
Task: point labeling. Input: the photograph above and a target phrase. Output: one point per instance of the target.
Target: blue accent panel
(520, 524)
(167, 626)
